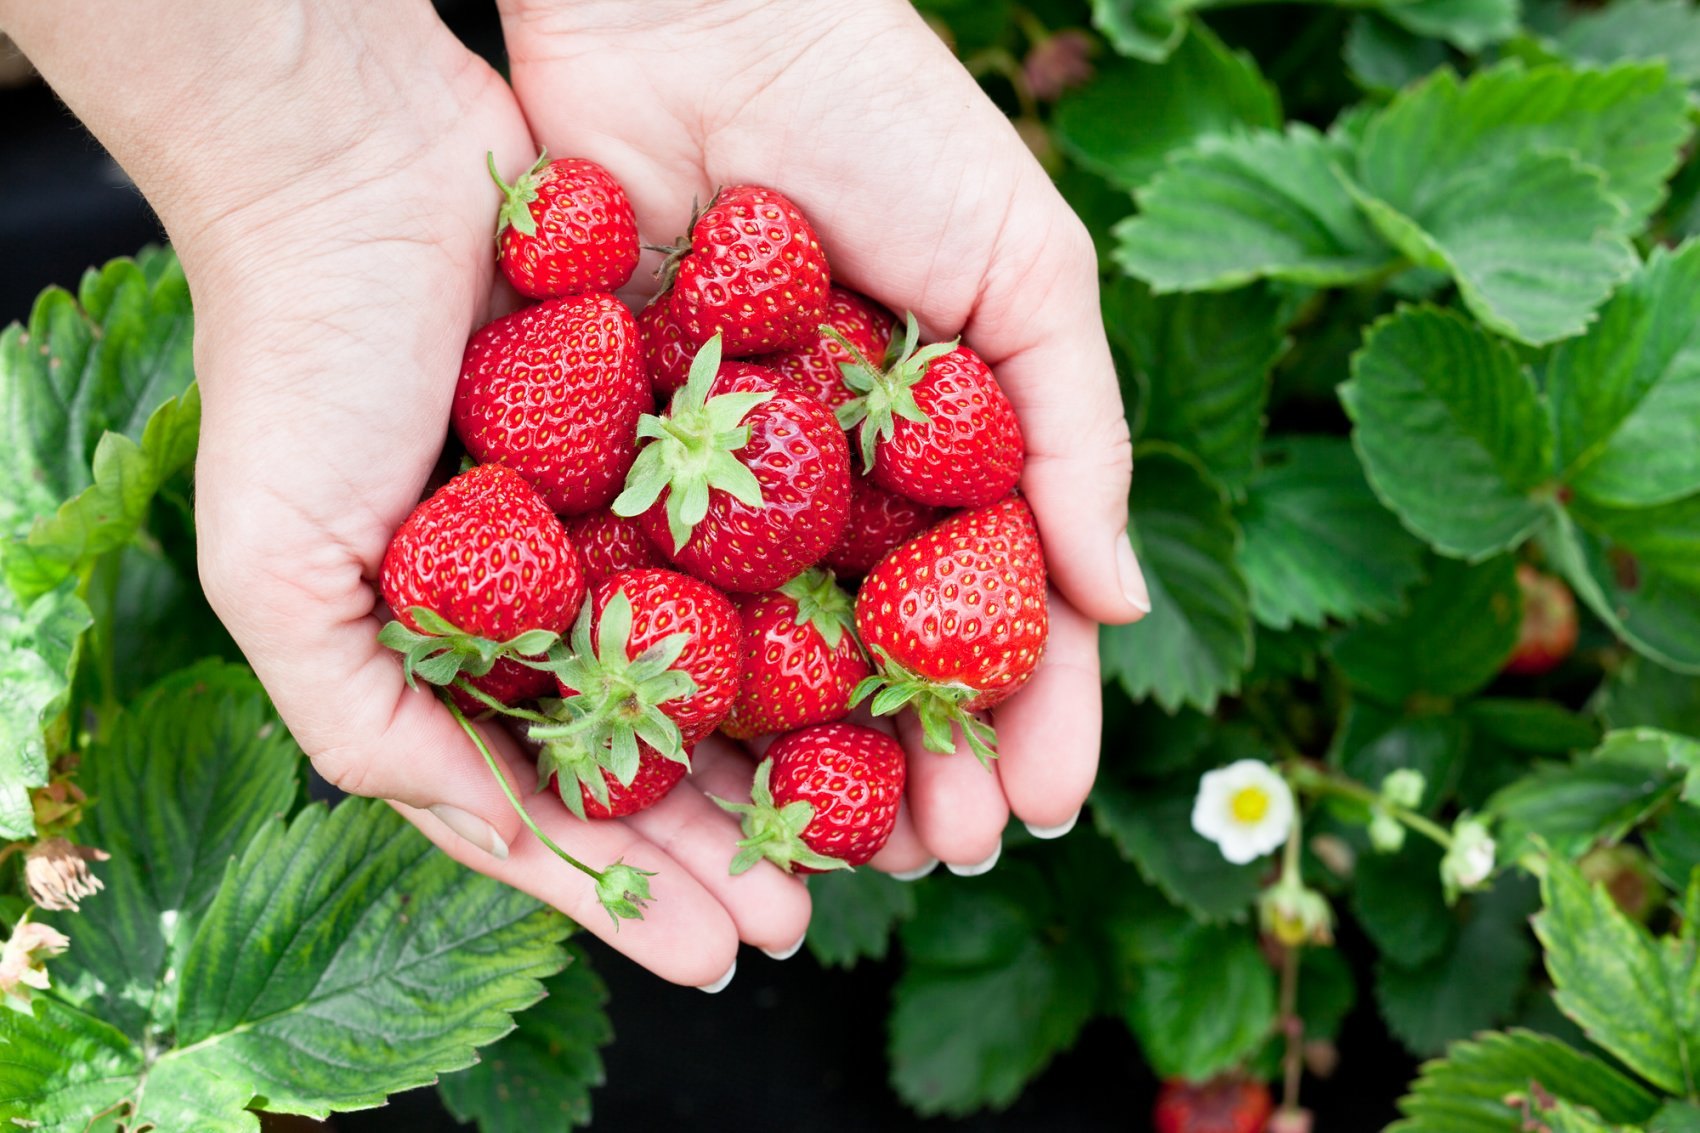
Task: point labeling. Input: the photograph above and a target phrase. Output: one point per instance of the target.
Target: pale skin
(320, 169)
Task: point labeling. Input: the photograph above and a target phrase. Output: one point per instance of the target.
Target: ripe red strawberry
(752, 270)
(611, 543)
(1547, 634)
(565, 228)
(801, 658)
(656, 775)
(1222, 1105)
(934, 426)
(814, 365)
(824, 798)
(555, 392)
(655, 661)
(955, 620)
(666, 354)
(478, 574)
(745, 482)
(879, 521)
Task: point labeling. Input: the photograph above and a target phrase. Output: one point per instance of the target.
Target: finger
(957, 804)
(769, 907)
(904, 855)
(1048, 732)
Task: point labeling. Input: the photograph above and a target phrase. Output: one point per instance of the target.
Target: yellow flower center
(1249, 805)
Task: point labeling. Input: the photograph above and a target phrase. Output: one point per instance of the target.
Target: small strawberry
(611, 543)
(656, 775)
(955, 620)
(814, 365)
(934, 426)
(751, 270)
(565, 228)
(480, 573)
(1228, 1104)
(654, 661)
(1547, 634)
(666, 354)
(879, 521)
(824, 798)
(555, 392)
(745, 481)
(801, 659)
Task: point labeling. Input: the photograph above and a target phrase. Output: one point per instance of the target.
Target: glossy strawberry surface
(583, 235)
(555, 392)
(1221, 1105)
(611, 543)
(665, 602)
(801, 462)
(968, 453)
(962, 604)
(666, 354)
(1546, 635)
(813, 366)
(852, 776)
(656, 776)
(755, 273)
(793, 674)
(879, 520)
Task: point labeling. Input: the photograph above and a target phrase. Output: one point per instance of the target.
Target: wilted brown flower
(57, 875)
(23, 962)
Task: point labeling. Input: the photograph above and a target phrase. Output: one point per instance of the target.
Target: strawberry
(814, 365)
(555, 392)
(656, 775)
(611, 543)
(745, 481)
(879, 521)
(666, 354)
(824, 798)
(565, 228)
(801, 659)
(654, 662)
(1547, 633)
(1227, 1104)
(751, 270)
(480, 573)
(934, 426)
(956, 621)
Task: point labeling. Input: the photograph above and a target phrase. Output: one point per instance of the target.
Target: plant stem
(1308, 777)
(491, 702)
(1292, 1059)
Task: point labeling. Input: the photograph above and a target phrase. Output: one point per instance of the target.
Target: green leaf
(1265, 205)
(1667, 30)
(1203, 364)
(1641, 693)
(1613, 979)
(1460, 626)
(540, 1076)
(1468, 25)
(1674, 843)
(987, 997)
(1471, 986)
(1318, 545)
(1531, 725)
(1202, 1004)
(1373, 742)
(1382, 56)
(1196, 641)
(1202, 89)
(1151, 826)
(1625, 397)
(1466, 1091)
(1574, 806)
(855, 913)
(1398, 901)
(38, 650)
(1452, 433)
(1676, 1116)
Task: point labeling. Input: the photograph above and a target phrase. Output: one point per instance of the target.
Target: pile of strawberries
(621, 580)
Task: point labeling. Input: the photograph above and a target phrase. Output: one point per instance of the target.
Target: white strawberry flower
(1246, 808)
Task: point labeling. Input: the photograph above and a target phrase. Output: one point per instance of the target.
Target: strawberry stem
(937, 706)
(774, 832)
(495, 705)
(883, 395)
(439, 652)
(515, 211)
(822, 603)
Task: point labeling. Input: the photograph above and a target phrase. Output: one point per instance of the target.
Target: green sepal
(822, 603)
(937, 706)
(439, 651)
(622, 890)
(885, 394)
(774, 833)
(515, 212)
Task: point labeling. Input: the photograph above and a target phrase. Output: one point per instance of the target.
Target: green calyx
(622, 890)
(675, 252)
(937, 706)
(774, 832)
(617, 702)
(883, 395)
(822, 603)
(690, 451)
(439, 651)
(515, 212)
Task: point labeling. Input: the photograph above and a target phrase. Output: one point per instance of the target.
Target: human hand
(926, 199)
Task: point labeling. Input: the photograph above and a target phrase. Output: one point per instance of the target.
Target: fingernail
(719, 985)
(472, 828)
(785, 953)
(977, 868)
(1133, 579)
(917, 873)
(1056, 831)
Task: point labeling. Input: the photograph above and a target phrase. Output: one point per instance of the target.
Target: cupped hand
(926, 199)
